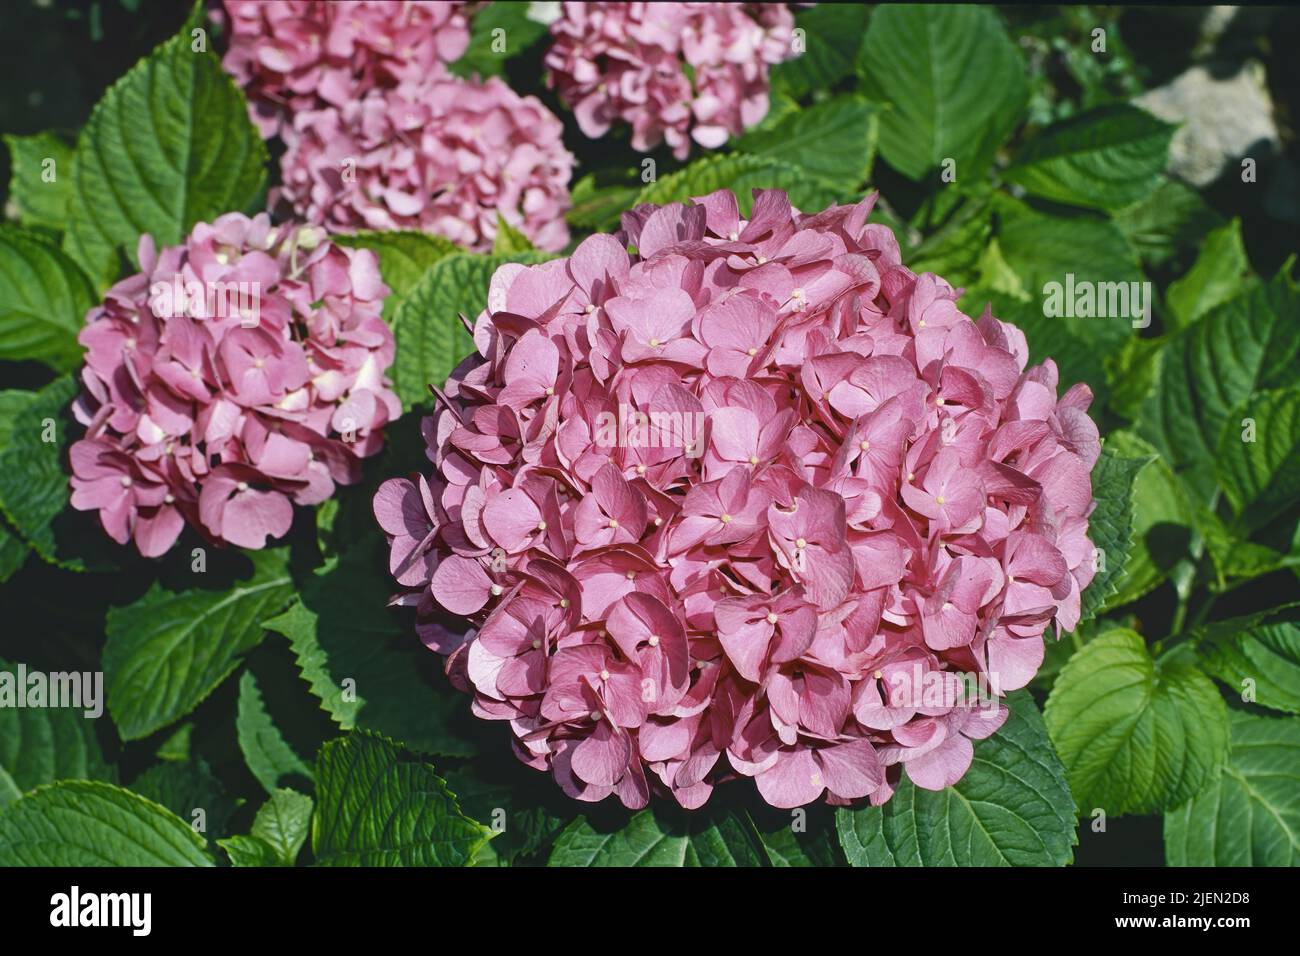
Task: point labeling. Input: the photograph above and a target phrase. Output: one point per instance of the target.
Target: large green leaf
(1136, 735)
(403, 259)
(1110, 526)
(88, 823)
(431, 339)
(40, 179)
(1251, 342)
(1263, 649)
(364, 661)
(44, 297)
(1250, 816)
(170, 649)
(380, 806)
(192, 791)
(1261, 477)
(1012, 808)
(834, 140)
(39, 745)
(832, 33)
(267, 753)
(1162, 519)
(742, 173)
(663, 837)
(170, 144)
(34, 489)
(1169, 225)
(1219, 274)
(1106, 158)
(955, 80)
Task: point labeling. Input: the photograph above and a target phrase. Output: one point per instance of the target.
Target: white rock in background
(1224, 118)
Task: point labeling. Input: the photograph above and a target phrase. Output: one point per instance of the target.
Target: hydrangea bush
(603, 434)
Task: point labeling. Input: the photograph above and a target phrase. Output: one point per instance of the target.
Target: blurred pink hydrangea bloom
(630, 62)
(232, 377)
(445, 156)
(294, 55)
(754, 500)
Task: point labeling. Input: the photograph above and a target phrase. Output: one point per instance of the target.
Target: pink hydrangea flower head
(235, 375)
(441, 155)
(674, 72)
(754, 500)
(294, 55)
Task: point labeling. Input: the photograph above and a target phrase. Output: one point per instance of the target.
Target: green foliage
(379, 806)
(169, 145)
(1012, 808)
(167, 651)
(44, 297)
(1136, 735)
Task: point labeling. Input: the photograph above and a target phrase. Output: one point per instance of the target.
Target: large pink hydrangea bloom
(233, 376)
(630, 62)
(294, 55)
(444, 155)
(844, 496)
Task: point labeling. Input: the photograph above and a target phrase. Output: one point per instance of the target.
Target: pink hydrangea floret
(443, 155)
(234, 376)
(754, 500)
(294, 55)
(674, 72)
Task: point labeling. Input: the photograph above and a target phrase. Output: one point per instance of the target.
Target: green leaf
(663, 837)
(170, 144)
(958, 88)
(431, 340)
(250, 851)
(832, 33)
(1136, 735)
(1162, 519)
(1106, 158)
(1252, 342)
(1219, 274)
(524, 821)
(37, 186)
(190, 790)
(39, 745)
(9, 791)
(1251, 815)
(364, 661)
(802, 838)
(283, 822)
(169, 650)
(1261, 478)
(1110, 526)
(834, 140)
(34, 489)
(1236, 559)
(519, 33)
(509, 240)
(380, 806)
(742, 174)
(88, 823)
(961, 248)
(598, 207)
(268, 755)
(1169, 224)
(1261, 648)
(403, 259)
(1012, 808)
(44, 297)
